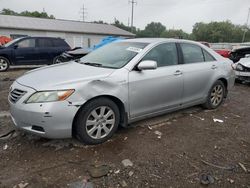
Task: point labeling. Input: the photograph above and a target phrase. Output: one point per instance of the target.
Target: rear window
(44, 43)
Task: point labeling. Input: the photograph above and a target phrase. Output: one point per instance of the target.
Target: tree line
(213, 32)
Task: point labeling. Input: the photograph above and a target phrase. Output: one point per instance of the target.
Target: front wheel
(216, 95)
(97, 121)
(4, 64)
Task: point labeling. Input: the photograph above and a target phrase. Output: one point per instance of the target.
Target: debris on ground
(131, 173)
(158, 133)
(5, 147)
(97, 171)
(202, 119)
(7, 135)
(218, 120)
(243, 167)
(206, 179)
(21, 185)
(217, 166)
(127, 163)
(81, 184)
(230, 180)
(123, 183)
(117, 171)
(4, 114)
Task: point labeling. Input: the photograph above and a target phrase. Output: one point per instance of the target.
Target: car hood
(62, 76)
(245, 62)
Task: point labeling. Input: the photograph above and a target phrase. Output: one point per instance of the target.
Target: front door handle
(177, 73)
(214, 67)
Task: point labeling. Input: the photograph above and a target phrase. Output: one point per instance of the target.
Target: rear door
(198, 70)
(152, 91)
(45, 50)
(24, 53)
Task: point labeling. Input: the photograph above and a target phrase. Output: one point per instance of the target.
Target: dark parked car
(31, 51)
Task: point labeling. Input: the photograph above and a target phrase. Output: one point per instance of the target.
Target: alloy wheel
(3, 64)
(100, 122)
(217, 95)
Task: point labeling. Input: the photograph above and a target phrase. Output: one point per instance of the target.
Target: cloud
(182, 14)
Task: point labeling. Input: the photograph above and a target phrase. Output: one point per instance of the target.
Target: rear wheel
(216, 95)
(56, 60)
(97, 121)
(4, 64)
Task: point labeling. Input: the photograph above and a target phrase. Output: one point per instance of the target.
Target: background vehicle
(117, 84)
(224, 49)
(77, 53)
(242, 69)
(239, 52)
(31, 51)
(74, 54)
(4, 40)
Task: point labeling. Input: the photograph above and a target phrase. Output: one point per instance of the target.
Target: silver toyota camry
(116, 85)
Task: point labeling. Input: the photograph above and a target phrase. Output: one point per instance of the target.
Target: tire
(56, 60)
(4, 64)
(91, 125)
(216, 95)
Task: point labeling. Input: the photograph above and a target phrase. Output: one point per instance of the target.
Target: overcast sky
(177, 14)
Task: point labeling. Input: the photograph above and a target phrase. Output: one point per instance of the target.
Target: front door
(24, 52)
(152, 91)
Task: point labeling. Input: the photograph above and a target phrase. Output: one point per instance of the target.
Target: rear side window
(44, 43)
(192, 53)
(60, 43)
(163, 54)
(27, 43)
(208, 57)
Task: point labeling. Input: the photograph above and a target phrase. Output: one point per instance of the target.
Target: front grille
(16, 94)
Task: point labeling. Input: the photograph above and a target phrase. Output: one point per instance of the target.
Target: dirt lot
(191, 146)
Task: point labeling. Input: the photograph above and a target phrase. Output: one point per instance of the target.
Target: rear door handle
(177, 73)
(214, 67)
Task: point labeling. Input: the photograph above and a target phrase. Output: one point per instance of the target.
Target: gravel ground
(181, 149)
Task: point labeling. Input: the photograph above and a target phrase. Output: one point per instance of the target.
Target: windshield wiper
(93, 64)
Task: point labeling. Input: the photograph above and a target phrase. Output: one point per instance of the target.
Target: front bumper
(50, 120)
(243, 76)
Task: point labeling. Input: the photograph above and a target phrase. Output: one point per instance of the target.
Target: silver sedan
(116, 85)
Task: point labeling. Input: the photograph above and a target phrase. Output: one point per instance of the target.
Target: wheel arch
(225, 82)
(117, 101)
(7, 57)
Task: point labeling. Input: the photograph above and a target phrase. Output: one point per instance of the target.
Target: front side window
(114, 55)
(27, 43)
(192, 53)
(163, 54)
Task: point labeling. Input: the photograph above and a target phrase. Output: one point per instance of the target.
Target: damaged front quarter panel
(115, 85)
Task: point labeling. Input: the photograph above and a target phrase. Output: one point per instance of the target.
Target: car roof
(32, 37)
(157, 40)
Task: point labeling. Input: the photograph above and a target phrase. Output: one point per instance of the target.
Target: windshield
(114, 55)
(11, 42)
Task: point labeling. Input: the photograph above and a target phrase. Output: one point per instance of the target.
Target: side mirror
(15, 46)
(147, 65)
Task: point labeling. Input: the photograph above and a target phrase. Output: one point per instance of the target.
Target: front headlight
(239, 67)
(49, 96)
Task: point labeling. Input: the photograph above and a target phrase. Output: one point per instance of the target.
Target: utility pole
(83, 12)
(244, 34)
(133, 3)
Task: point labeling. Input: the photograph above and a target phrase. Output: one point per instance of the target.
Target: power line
(133, 3)
(83, 13)
(244, 34)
